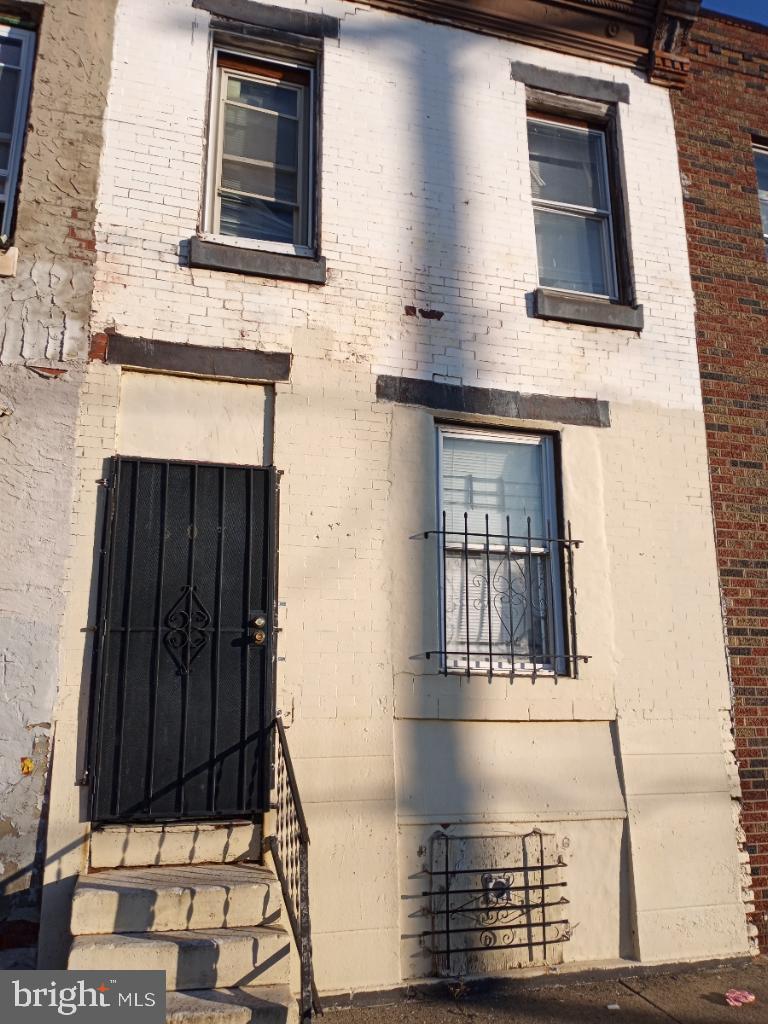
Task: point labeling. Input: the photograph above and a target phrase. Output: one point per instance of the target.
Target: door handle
(258, 634)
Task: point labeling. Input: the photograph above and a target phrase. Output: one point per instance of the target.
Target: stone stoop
(215, 929)
(127, 846)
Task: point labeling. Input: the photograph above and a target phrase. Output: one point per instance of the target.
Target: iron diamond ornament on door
(183, 698)
(187, 627)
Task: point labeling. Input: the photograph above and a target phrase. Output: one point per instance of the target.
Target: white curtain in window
(494, 603)
(495, 478)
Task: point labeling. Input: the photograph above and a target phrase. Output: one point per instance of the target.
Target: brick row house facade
(390, 430)
(722, 131)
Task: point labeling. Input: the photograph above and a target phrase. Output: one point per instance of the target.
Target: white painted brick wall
(425, 200)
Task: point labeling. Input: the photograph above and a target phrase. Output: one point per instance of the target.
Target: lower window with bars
(507, 594)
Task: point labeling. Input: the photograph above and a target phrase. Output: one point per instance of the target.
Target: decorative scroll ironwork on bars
(508, 602)
(188, 626)
(289, 847)
(497, 902)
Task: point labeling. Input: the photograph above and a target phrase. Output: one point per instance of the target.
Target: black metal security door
(184, 666)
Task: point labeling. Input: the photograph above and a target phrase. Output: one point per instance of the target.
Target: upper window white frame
(14, 126)
(761, 169)
(601, 214)
(551, 553)
(304, 243)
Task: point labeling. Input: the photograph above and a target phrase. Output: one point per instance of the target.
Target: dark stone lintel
(198, 360)
(513, 405)
(268, 16)
(569, 85)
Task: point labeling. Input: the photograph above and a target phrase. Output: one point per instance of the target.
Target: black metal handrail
(508, 602)
(289, 846)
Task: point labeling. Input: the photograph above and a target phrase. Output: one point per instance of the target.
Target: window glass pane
(514, 614)
(10, 51)
(260, 136)
(5, 151)
(254, 218)
(572, 252)
(263, 95)
(496, 478)
(761, 165)
(567, 165)
(9, 87)
(264, 181)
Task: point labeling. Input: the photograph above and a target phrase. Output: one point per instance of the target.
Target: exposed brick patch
(98, 346)
(718, 116)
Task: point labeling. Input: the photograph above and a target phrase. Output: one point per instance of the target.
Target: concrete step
(214, 958)
(127, 846)
(168, 899)
(266, 1004)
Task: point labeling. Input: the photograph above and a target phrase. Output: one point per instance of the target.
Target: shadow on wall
(21, 887)
(444, 209)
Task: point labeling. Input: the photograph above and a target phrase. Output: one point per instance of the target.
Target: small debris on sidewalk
(613, 1006)
(738, 997)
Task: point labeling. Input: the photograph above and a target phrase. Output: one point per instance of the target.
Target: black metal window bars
(508, 602)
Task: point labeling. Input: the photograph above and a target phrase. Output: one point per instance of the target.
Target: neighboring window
(500, 556)
(572, 207)
(16, 51)
(260, 164)
(761, 165)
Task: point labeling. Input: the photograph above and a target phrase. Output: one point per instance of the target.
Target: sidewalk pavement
(684, 995)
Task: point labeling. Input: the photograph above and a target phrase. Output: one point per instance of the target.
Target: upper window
(572, 207)
(260, 164)
(16, 51)
(761, 164)
(500, 555)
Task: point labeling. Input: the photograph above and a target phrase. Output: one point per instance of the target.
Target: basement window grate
(497, 903)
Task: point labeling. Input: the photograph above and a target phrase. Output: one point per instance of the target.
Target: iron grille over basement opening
(497, 902)
(507, 602)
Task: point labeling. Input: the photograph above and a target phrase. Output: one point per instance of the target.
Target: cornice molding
(645, 34)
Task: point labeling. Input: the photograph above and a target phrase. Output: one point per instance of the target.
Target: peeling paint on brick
(44, 322)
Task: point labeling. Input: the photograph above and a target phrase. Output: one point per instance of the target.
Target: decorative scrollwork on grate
(508, 602)
(515, 911)
(187, 626)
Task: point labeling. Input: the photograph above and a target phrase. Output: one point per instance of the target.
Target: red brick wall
(722, 110)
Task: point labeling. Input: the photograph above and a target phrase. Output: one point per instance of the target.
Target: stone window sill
(581, 309)
(235, 259)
